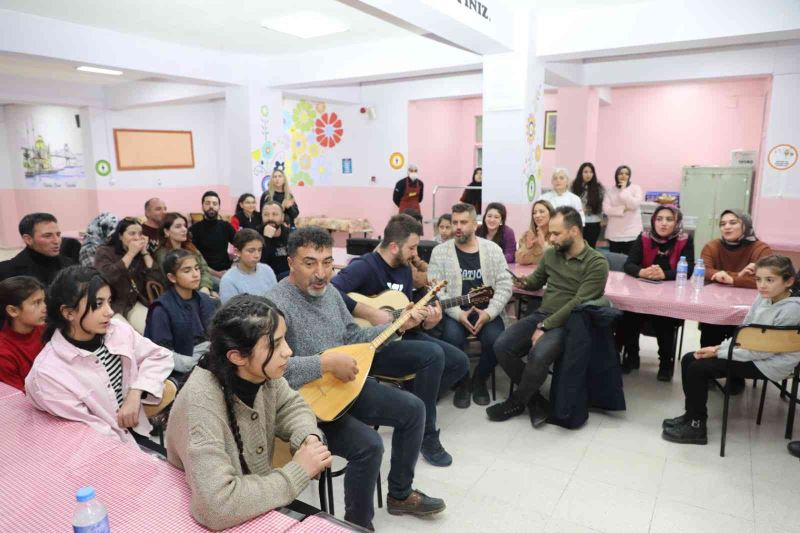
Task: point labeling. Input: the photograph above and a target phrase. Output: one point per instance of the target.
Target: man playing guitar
(438, 365)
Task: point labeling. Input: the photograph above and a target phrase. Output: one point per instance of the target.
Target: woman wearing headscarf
(474, 196)
(730, 260)
(654, 255)
(97, 233)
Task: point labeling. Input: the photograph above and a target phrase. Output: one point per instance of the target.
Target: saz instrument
(395, 301)
(329, 397)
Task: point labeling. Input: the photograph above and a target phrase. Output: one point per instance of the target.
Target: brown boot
(417, 504)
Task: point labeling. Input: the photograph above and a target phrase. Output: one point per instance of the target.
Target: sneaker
(677, 421)
(417, 504)
(630, 363)
(433, 451)
(502, 411)
(693, 432)
(538, 410)
(463, 392)
(480, 394)
(665, 368)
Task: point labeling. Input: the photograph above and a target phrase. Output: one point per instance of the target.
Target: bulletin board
(153, 149)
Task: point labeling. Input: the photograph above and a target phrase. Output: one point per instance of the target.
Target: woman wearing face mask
(560, 195)
(474, 196)
(278, 191)
(730, 260)
(409, 190)
(127, 265)
(654, 255)
(95, 369)
(622, 205)
(533, 242)
(246, 215)
(591, 192)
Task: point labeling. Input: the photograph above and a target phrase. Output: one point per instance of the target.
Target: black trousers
(620, 247)
(629, 329)
(713, 335)
(591, 231)
(696, 373)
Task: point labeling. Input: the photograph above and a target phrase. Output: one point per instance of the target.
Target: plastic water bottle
(90, 515)
(683, 269)
(699, 275)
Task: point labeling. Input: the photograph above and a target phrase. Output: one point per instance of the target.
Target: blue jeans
(454, 333)
(352, 436)
(437, 364)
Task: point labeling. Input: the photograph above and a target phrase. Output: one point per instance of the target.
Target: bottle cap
(683, 258)
(85, 494)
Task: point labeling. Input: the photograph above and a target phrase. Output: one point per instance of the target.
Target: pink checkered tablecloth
(715, 304)
(44, 460)
(8, 390)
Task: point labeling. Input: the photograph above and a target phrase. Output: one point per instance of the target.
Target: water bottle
(683, 269)
(699, 275)
(90, 515)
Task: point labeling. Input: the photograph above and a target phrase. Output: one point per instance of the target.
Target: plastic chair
(769, 339)
(616, 262)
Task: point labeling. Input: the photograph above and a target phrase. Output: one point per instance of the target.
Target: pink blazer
(71, 383)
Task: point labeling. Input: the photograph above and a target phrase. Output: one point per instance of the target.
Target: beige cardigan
(200, 442)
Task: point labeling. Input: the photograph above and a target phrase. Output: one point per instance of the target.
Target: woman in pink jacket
(93, 369)
(622, 206)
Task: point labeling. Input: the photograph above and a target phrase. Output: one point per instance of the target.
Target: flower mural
(329, 130)
(304, 115)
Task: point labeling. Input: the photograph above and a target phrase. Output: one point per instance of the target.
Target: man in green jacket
(574, 273)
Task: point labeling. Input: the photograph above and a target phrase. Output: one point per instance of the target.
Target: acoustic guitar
(329, 397)
(395, 301)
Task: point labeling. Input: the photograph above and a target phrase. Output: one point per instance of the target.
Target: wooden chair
(769, 339)
(152, 411)
(153, 290)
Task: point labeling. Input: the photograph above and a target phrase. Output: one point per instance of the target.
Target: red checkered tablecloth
(44, 460)
(8, 390)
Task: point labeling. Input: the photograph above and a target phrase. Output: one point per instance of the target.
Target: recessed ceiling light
(305, 24)
(96, 70)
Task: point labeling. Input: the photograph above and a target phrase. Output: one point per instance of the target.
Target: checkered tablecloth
(44, 460)
(8, 390)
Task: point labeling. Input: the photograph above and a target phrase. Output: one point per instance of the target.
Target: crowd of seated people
(222, 306)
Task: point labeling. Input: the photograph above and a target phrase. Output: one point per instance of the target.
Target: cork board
(153, 149)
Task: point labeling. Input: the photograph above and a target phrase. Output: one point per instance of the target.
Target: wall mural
(313, 131)
(532, 173)
(271, 150)
(51, 148)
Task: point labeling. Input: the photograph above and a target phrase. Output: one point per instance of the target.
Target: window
(479, 141)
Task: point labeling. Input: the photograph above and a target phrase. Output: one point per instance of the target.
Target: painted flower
(313, 150)
(320, 107)
(304, 115)
(267, 150)
(301, 179)
(299, 144)
(531, 129)
(329, 130)
(305, 161)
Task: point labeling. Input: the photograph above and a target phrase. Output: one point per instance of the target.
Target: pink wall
(74, 208)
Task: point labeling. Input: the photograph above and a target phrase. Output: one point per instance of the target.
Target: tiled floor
(614, 475)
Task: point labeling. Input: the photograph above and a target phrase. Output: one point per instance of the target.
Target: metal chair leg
(783, 389)
(494, 386)
(329, 480)
(761, 403)
(323, 504)
(725, 411)
(790, 421)
(379, 489)
(680, 346)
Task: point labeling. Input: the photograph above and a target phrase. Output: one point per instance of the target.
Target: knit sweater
(776, 366)
(200, 441)
(235, 281)
(622, 207)
(17, 353)
(494, 271)
(313, 325)
(717, 257)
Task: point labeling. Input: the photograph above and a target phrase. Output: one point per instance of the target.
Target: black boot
(690, 432)
(631, 362)
(665, 368)
(463, 392)
(480, 394)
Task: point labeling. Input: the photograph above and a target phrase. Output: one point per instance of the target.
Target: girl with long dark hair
(95, 368)
(22, 314)
(591, 192)
(246, 215)
(494, 228)
(225, 420)
(175, 235)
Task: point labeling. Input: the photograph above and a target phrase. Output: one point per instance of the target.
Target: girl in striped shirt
(95, 369)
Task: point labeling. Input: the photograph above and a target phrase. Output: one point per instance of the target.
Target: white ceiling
(55, 69)
(229, 25)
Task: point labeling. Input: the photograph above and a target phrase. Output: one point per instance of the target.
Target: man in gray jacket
(468, 262)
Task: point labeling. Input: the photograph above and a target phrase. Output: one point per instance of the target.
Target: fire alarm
(363, 110)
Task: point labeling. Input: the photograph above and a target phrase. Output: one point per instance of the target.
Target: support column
(578, 110)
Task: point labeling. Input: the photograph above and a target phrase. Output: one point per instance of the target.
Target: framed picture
(347, 166)
(153, 149)
(550, 123)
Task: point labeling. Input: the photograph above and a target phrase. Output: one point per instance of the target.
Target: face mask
(412, 175)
